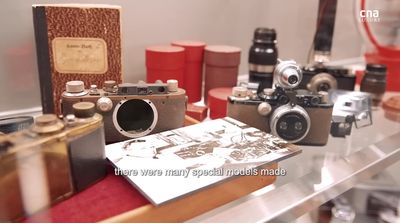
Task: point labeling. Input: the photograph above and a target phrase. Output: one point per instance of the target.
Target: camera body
(131, 110)
(324, 78)
(297, 116)
(61, 157)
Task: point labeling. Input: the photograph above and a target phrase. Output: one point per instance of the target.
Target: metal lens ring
(135, 117)
(287, 74)
(290, 123)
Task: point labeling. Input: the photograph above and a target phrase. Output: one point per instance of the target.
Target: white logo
(369, 16)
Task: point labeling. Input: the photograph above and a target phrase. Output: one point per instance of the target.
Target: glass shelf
(317, 175)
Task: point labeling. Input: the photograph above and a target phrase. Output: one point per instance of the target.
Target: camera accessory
(13, 124)
(374, 82)
(287, 74)
(350, 107)
(164, 63)
(193, 74)
(263, 56)
(391, 107)
(217, 98)
(133, 110)
(62, 156)
(221, 67)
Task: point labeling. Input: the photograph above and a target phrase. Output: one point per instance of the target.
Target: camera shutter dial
(290, 123)
(104, 104)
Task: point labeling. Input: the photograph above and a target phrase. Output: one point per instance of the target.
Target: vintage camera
(131, 110)
(350, 107)
(297, 116)
(324, 78)
(50, 161)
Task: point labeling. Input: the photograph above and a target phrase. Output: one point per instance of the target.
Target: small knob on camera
(104, 104)
(75, 86)
(83, 109)
(110, 86)
(47, 124)
(172, 85)
(239, 92)
(264, 108)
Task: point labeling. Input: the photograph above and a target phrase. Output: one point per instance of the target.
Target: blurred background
(151, 22)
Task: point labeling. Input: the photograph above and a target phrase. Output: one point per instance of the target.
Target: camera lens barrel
(374, 81)
(290, 123)
(287, 74)
(263, 56)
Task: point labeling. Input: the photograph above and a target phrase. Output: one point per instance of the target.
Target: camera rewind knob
(47, 124)
(172, 85)
(110, 86)
(264, 109)
(83, 109)
(75, 86)
(240, 92)
(104, 104)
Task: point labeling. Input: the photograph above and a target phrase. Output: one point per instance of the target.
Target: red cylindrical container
(165, 62)
(222, 67)
(193, 74)
(217, 101)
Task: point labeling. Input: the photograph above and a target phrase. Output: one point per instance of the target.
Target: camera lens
(293, 79)
(374, 81)
(290, 123)
(134, 118)
(263, 56)
(287, 74)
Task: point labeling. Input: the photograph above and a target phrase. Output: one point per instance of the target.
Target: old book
(76, 42)
(176, 163)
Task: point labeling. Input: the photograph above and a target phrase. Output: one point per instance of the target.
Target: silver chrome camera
(297, 116)
(131, 110)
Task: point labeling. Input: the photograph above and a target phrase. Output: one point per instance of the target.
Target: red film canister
(164, 63)
(222, 67)
(192, 77)
(217, 101)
